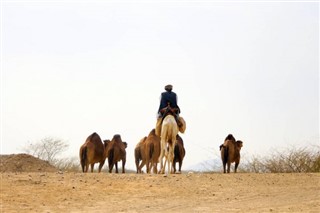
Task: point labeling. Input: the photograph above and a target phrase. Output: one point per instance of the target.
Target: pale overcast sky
(250, 68)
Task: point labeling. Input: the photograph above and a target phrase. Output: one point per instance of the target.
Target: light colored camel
(169, 131)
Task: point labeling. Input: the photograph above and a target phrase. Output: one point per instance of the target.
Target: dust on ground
(43, 191)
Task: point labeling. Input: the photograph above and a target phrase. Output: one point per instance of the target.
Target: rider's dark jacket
(168, 97)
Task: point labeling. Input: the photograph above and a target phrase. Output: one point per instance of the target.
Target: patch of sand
(29, 184)
(195, 192)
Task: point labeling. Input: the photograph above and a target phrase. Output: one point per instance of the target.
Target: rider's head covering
(168, 87)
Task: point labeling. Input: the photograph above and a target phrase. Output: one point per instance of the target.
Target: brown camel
(91, 152)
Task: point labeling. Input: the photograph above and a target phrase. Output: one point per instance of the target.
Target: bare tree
(47, 149)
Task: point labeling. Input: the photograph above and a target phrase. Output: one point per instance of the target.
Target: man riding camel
(168, 104)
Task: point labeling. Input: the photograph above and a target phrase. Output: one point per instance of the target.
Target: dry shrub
(49, 149)
(68, 164)
(292, 159)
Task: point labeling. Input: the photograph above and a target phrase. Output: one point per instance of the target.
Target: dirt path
(77, 192)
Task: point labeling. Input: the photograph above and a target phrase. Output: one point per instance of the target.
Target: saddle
(171, 111)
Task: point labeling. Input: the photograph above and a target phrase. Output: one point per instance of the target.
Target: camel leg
(83, 167)
(167, 160)
(92, 165)
(99, 169)
(169, 167)
(164, 165)
(162, 153)
(147, 166)
(224, 167)
(137, 165)
(170, 159)
(101, 165)
(116, 165)
(123, 164)
(160, 161)
(143, 162)
(110, 167)
(235, 167)
(180, 165)
(161, 167)
(228, 167)
(150, 166)
(155, 168)
(174, 166)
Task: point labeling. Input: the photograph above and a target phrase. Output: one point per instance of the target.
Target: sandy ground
(187, 192)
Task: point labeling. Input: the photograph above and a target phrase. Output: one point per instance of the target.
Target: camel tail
(225, 154)
(110, 157)
(137, 157)
(83, 160)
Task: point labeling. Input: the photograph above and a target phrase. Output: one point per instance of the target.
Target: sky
(249, 68)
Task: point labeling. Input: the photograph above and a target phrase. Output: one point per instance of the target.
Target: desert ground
(44, 189)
